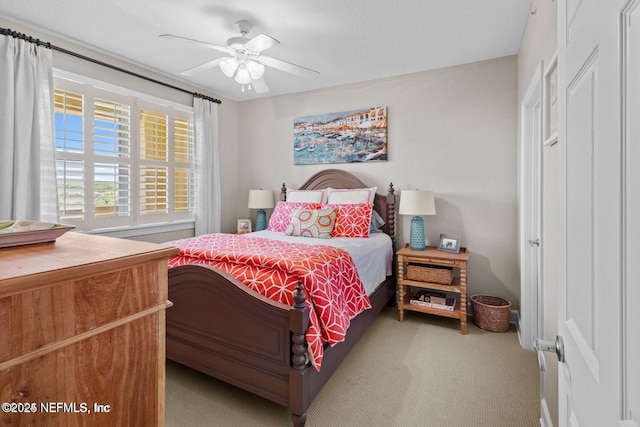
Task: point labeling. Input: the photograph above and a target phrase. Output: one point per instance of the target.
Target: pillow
(351, 220)
(281, 217)
(312, 223)
(376, 222)
(306, 196)
(351, 196)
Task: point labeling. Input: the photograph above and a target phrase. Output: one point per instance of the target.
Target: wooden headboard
(385, 205)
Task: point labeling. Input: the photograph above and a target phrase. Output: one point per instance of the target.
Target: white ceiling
(344, 40)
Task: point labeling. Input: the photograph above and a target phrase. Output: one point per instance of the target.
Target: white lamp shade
(229, 66)
(417, 202)
(261, 199)
(256, 69)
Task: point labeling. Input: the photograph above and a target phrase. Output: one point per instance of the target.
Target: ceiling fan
(245, 60)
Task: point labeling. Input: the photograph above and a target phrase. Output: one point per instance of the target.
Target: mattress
(372, 256)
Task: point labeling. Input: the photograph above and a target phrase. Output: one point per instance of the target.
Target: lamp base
(416, 240)
(261, 220)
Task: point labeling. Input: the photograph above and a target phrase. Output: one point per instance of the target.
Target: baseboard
(515, 318)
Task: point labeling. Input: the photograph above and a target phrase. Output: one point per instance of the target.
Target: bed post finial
(283, 192)
(299, 297)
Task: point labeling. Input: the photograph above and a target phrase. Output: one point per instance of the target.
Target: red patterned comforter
(335, 293)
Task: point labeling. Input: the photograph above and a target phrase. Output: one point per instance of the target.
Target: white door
(530, 148)
(590, 304)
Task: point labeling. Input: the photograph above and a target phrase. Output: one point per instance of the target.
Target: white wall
(451, 130)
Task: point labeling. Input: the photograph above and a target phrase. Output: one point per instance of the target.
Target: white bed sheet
(372, 256)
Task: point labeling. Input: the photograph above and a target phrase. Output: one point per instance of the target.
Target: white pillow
(306, 196)
(339, 196)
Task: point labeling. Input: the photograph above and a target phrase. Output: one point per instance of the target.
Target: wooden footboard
(220, 327)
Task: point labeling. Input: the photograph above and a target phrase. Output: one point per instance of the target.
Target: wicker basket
(491, 313)
(440, 275)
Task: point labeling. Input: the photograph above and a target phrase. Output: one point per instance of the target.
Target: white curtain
(208, 209)
(28, 187)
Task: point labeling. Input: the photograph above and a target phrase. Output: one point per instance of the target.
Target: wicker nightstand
(432, 257)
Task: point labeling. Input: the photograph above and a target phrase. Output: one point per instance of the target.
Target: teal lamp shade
(261, 200)
(417, 203)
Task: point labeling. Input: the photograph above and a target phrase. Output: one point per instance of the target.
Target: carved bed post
(298, 376)
(298, 341)
(391, 213)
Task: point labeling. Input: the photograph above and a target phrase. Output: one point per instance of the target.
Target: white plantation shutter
(184, 172)
(112, 157)
(154, 161)
(121, 160)
(70, 177)
(69, 121)
(112, 189)
(153, 135)
(69, 135)
(184, 182)
(153, 190)
(112, 129)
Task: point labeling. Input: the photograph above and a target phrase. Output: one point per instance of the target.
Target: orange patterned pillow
(352, 220)
(312, 223)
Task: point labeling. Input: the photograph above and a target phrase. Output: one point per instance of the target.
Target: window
(121, 160)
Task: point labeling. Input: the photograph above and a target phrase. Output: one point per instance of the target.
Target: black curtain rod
(17, 35)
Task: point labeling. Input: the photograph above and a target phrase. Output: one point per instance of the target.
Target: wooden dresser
(82, 332)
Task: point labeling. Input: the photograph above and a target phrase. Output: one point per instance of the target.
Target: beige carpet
(428, 375)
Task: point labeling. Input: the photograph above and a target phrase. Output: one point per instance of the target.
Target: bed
(220, 327)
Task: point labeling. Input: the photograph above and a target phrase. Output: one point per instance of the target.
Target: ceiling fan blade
(198, 42)
(261, 42)
(260, 86)
(288, 67)
(202, 67)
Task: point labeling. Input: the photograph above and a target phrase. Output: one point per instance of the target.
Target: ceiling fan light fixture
(229, 66)
(243, 58)
(242, 76)
(256, 69)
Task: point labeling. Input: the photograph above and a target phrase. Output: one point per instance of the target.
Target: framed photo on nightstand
(449, 244)
(244, 226)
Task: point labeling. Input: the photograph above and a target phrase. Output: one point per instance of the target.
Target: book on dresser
(439, 300)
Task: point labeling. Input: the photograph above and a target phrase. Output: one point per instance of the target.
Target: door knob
(556, 347)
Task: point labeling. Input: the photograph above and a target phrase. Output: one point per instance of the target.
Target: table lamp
(261, 200)
(416, 203)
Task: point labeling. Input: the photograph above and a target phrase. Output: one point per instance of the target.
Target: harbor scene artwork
(344, 137)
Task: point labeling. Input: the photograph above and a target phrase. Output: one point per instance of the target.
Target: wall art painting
(344, 137)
